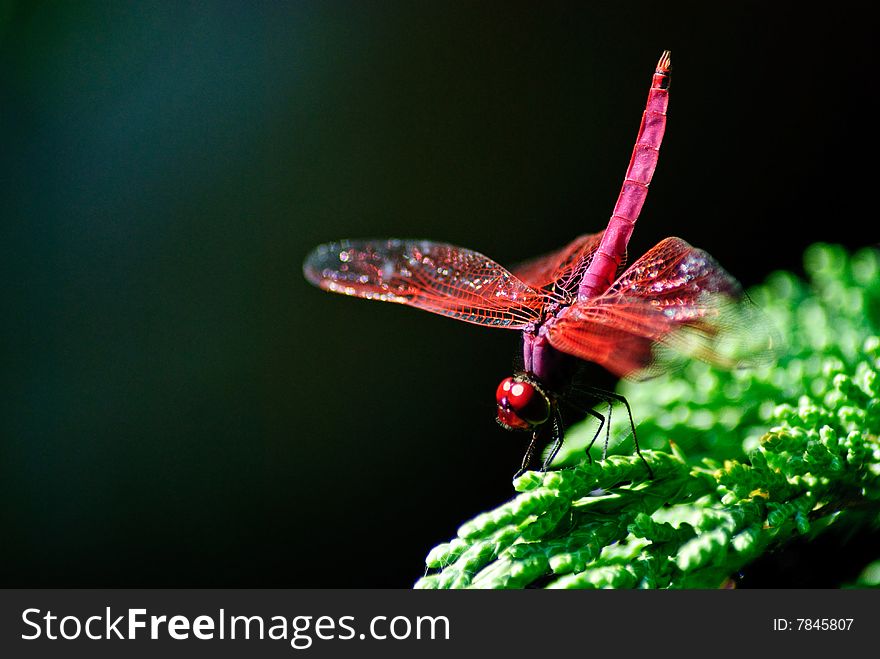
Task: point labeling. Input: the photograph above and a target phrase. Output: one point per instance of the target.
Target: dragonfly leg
(607, 430)
(527, 458)
(609, 397)
(558, 436)
(622, 399)
(602, 424)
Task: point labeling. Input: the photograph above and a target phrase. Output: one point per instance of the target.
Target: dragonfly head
(522, 403)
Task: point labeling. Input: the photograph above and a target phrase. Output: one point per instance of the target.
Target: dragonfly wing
(674, 301)
(563, 267)
(440, 278)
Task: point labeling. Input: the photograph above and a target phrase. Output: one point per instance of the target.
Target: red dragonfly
(577, 303)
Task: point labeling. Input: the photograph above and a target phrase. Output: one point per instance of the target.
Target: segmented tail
(642, 164)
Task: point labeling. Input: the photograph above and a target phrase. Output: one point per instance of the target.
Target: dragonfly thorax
(522, 403)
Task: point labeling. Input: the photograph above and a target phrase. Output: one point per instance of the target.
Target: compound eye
(523, 400)
(503, 390)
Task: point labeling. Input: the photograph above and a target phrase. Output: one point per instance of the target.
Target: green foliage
(744, 461)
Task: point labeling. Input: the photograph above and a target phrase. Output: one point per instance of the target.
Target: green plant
(744, 461)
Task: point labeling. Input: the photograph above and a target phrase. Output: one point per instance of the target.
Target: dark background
(180, 408)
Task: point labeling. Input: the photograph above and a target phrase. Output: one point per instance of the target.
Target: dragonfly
(579, 303)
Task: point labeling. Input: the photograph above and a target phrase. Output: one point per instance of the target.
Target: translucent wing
(562, 268)
(436, 277)
(675, 300)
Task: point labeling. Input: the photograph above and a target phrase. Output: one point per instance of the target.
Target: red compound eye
(521, 405)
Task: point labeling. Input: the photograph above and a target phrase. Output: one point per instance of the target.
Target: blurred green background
(181, 409)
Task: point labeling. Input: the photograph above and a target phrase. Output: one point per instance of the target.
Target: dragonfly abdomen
(634, 190)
